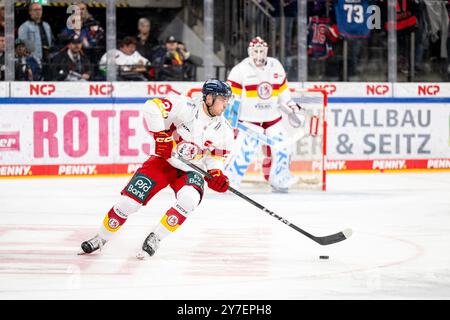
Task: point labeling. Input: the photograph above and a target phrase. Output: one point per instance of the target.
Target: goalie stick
(267, 140)
(324, 240)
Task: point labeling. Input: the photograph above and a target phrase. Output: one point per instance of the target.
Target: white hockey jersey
(260, 90)
(205, 141)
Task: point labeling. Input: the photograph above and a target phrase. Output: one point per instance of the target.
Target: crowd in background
(77, 52)
(49, 49)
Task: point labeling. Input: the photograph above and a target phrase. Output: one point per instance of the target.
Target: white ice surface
(228, 249)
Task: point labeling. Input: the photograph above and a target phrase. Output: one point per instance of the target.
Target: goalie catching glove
(163, 144)
(218, 181)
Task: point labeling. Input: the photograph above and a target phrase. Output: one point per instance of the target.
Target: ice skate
(92, 245)
(149, 247)
(283, 183)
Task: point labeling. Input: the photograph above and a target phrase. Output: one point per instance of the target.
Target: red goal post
(309, 143)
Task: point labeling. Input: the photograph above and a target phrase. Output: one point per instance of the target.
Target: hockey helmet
(216, 88)
(257, 51)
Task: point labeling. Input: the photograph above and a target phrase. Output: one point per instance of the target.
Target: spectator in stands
(146, 43)
(26, 66)
(191, 62)
(170, 60)
(75, 29)
(37, 34)
(71, 64)
(86, 17)
(131, 65)
(2, 19)
(2, 56)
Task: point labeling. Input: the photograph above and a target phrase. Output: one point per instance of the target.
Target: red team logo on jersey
(172, 220)
(164, 106)
(113, 223)
(265, 90)
(188, 150)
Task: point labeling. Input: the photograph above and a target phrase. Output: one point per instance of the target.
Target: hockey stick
(325, 240)
(269, 141)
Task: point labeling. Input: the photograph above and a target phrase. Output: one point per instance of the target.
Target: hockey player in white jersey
(261, 92)
(197, 131)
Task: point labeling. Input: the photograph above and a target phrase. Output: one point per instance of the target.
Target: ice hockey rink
(229, 249)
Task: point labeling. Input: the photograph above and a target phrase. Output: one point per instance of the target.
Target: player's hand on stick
(163, 144)
(218, 181)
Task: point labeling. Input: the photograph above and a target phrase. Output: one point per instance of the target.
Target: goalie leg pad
(280, 176)
(243, 154)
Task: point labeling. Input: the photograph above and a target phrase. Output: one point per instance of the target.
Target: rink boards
(60, 129)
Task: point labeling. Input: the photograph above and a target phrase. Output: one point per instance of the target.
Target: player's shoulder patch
(164, 105)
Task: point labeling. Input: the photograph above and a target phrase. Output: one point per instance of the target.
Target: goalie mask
(257, 51)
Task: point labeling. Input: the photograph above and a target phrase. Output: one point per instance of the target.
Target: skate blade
(142, 255)
(81, 253)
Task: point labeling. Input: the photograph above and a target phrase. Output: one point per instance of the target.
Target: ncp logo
(42, 89)
(428, 90)
(377, 90)
(9, 141)
(160, 89)
(330, 88)
(100, 89)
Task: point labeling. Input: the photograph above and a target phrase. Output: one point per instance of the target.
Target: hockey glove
(163, 144)
(296, 115)
(218, 181)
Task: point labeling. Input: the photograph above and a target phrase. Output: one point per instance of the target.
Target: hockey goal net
(308, 143)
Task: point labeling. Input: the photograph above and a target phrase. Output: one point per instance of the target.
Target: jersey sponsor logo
(262, 106)
(140, 186)
(264, 90)
(188, 150)
(195, 179)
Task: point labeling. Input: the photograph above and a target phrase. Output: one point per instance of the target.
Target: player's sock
(112, 222)
(169, 223)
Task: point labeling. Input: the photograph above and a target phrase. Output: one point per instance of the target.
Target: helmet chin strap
(207, 107)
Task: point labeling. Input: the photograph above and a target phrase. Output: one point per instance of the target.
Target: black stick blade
(333, 238)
